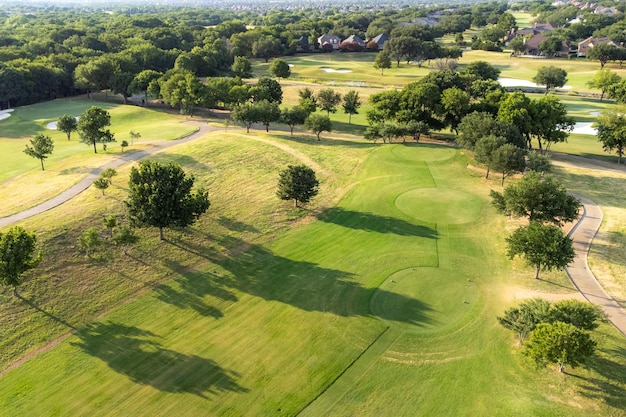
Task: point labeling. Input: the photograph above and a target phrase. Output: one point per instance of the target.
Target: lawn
(379, 299)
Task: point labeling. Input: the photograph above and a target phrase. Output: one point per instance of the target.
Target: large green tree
(279, 68)
(351, 104)
(247, 114)
(604, 80)
(92, 127)
(545, 247)
(485, 148)
(538, 198)
(508, 159)
(523, 319)
(161, 196)
(67, 124)
(611, 127)
(242, 67)
(293, 116)
(18, 254)
(382, 62)
(318, 123)
(40, 147)
(328, 100)
(297, 183)
(559, 343)
(551, 76)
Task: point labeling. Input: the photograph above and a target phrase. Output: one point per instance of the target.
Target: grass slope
(374, 305)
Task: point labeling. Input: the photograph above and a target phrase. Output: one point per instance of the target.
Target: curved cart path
(83, 184)
(583, 233)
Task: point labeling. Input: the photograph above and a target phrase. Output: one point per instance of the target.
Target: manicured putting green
(440, 205)
(434, 154)
(423, 299)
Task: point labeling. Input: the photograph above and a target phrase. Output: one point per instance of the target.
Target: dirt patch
(523, 294)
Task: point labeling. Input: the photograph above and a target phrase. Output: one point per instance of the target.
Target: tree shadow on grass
(610, 386)
(44, 312)
(374, 223)
(135, 353)
(235, 225)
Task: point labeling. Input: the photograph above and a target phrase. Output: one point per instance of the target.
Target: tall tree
(297, 183)
(550, 76)
(307, 99)
(242, 67)
(92, 127)
(382, 62)
(142, 81)
(40, 147)
(509, 160)
(559, 343)
(280, 69)
(551, 124)
(581, 314)
(293, 116)
(604, 80)
(17, 255)
(456, 105)
(161, 196)
(67, 124)
(603, 53)
(545, 247)
(246, 113)
(267, 89)
(485, 148)
(267, 112)
(120, 83)
(318, 123)
(524, 318)
(184, 90)
(538, 198)
(351, 104)
(328, 99)
(611, 127)
(266, 47)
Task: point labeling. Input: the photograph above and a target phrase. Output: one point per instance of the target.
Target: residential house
(331, 40)
(537, 29)
(532, 46)
(354, 39)
(380, 41)
(590, 42)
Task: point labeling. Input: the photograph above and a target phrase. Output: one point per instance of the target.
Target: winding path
(83, 184)
(583, 234)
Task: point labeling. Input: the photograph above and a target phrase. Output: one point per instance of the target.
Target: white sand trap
(594, 113)
(340, 71)
(6, 111)
(516, 82)
(291, 65)
(53, 125)
(5, 114)
(584, 128)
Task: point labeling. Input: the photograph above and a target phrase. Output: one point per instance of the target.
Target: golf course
(378, 298)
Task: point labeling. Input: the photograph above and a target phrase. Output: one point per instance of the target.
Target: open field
(71, 160)
(377, 299)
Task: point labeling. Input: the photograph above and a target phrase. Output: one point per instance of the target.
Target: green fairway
(381, 302)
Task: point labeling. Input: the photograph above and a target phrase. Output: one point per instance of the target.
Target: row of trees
(554, 333)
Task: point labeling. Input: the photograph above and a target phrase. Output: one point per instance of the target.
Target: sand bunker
(515, 82)
(340, 71)
(5, 114)
(584, 128)
(53, 125)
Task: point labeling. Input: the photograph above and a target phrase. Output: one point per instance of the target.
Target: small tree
(67, 124)
(293, 116)
(509, 160)
(126, 237)
(307, 100)
(101, 183)
(551, 77)
(279, 68)
(108, 174)
(242, 67)
(538, 162)
(247, 114)
(485, 148)
(267, 113)
(318, 123)
(124, 145)
(110, 222)
(17, 255)
(161, 196)
(542, 246)
(382, 62)
(91, 127)
(604, 80)
(351, 104)
(559, 343)
(524, 318)
(134, 136)
(611, 127)
(40, 147)
(297, 183)
(328, 100)
(89, 241)
(585, 316)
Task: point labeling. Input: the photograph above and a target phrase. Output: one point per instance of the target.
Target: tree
(604, 53)
(297, 183)
(108, 174)
(539, 198)
(328, 99)
(307, 100)
(604, 80)
(141, 82)
(551, 124)
(611, 127)
(485, 148)
(40, 147)
(120, 83)
(351, 104)
(17, 255)
(518, 45)
(126, 237)
(382, 62)
(91, 127)
(481, 70)
(266, 47)
(161, 196)
(246, 113)
(545, 247)
(538, 162)
(280, 69)
(318, 123)
(508, 159)
(134, 136)
(67, 124)
(242, 67)
(89, 241)
(101, 183)
(110, 222)
(267, 113)
(293, 116)
(124, 144)
(559, 343)
(456, 105)
(184, 90)
(515, 109)
(267, 89)
(524, 318)
(551, 77)
(583, 315)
